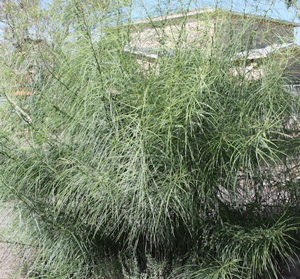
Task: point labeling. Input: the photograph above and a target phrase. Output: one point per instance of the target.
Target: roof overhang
(265, 52)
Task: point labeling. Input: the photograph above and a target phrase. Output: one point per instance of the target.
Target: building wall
(289, 61)
(221, 30)
(252, 33)
(168, 36)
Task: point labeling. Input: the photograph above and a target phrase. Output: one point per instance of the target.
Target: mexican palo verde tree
(185, 166)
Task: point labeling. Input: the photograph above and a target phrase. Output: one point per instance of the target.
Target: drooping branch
(24, 115)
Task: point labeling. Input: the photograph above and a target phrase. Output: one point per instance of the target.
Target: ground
(12, 254)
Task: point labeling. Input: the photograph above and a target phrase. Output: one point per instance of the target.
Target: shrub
(186, 169)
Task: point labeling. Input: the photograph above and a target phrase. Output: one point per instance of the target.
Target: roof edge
(211, 10)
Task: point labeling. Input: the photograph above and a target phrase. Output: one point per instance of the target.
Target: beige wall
(202, 31)
(168, 36)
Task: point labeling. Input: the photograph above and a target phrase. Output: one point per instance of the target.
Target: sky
(273, 8)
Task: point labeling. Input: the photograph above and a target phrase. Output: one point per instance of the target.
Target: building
(250, 37)
(210, 26)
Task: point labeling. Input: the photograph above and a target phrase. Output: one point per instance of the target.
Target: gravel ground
(11, 254)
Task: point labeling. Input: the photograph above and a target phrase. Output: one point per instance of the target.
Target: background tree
(293, 3)
(23, 21)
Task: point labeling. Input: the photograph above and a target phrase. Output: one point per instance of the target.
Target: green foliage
(186, 169)
(292, 3)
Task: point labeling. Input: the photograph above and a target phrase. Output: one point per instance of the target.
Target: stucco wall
(168, 36)
(222, 30)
